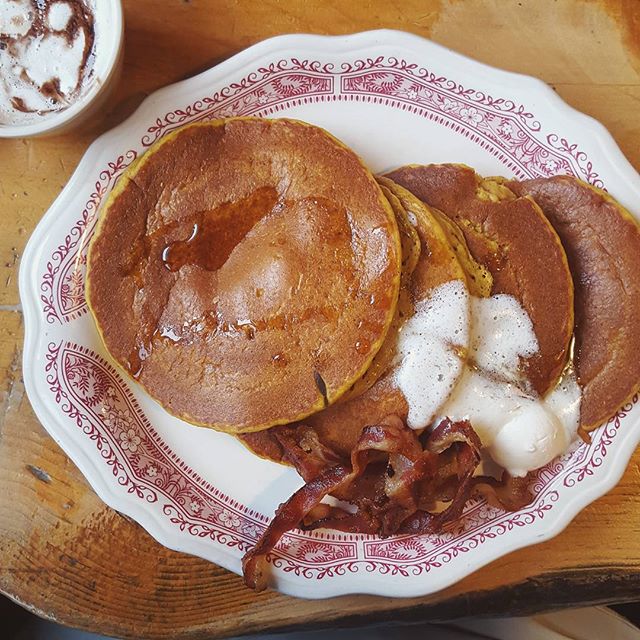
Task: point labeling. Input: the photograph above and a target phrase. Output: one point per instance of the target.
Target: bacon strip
(287, 517)
(509, 493)
(447, 433)
(378, 438)
(339, 520)
(305, 452)
(467, 456)
(394, 479)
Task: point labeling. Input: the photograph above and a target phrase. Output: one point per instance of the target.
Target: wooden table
(66, 556)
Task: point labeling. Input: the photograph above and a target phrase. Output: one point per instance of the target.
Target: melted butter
(520, 431)
(501, 334)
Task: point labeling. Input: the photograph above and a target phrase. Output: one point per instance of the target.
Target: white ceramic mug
(109, 39)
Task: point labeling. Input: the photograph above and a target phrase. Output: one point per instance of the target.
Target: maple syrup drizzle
(217, 232)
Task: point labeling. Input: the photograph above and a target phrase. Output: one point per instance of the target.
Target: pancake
(602, 241)
(245, 272)
(510, 237)
(410, 246)
(478, 278)
(339, 427)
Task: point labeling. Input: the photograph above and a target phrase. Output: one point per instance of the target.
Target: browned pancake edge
(245, 271)
(602, 241)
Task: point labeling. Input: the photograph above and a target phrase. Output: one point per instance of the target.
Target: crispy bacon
(395, 480)
(328, 517)
(288, 516)
(303, 449)
(509, 493)
(448, 432)
(466, 444)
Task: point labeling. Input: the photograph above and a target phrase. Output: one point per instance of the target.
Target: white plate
(395, 98)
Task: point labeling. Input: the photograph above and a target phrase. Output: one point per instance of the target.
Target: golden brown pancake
(478, 278)
(245, 272)
(602, 241)
(410, 247)
(339, 426)
(511, 237)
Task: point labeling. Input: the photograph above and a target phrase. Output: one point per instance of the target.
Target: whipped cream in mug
(47, 49)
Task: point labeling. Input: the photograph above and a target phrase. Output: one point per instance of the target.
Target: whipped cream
(46, 53)
(58, 16)
(14, 18)
(429, 346)
(520, 431)
(501, 334)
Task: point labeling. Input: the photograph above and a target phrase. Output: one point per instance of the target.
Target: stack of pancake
(256, 278)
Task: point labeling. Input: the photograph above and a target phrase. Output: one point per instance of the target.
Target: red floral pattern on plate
(509, 130)
(93, 395)
(97, 400)
(62, 284)
(503, 128)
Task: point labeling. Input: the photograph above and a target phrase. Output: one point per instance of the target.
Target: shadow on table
(19, 624)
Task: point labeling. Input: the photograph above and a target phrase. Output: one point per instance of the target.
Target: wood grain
(66, 556)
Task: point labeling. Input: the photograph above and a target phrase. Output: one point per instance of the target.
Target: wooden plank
(67, 556)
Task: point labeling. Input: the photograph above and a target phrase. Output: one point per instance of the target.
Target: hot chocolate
(47, 49)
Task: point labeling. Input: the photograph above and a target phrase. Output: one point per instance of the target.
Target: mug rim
(105, 66)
